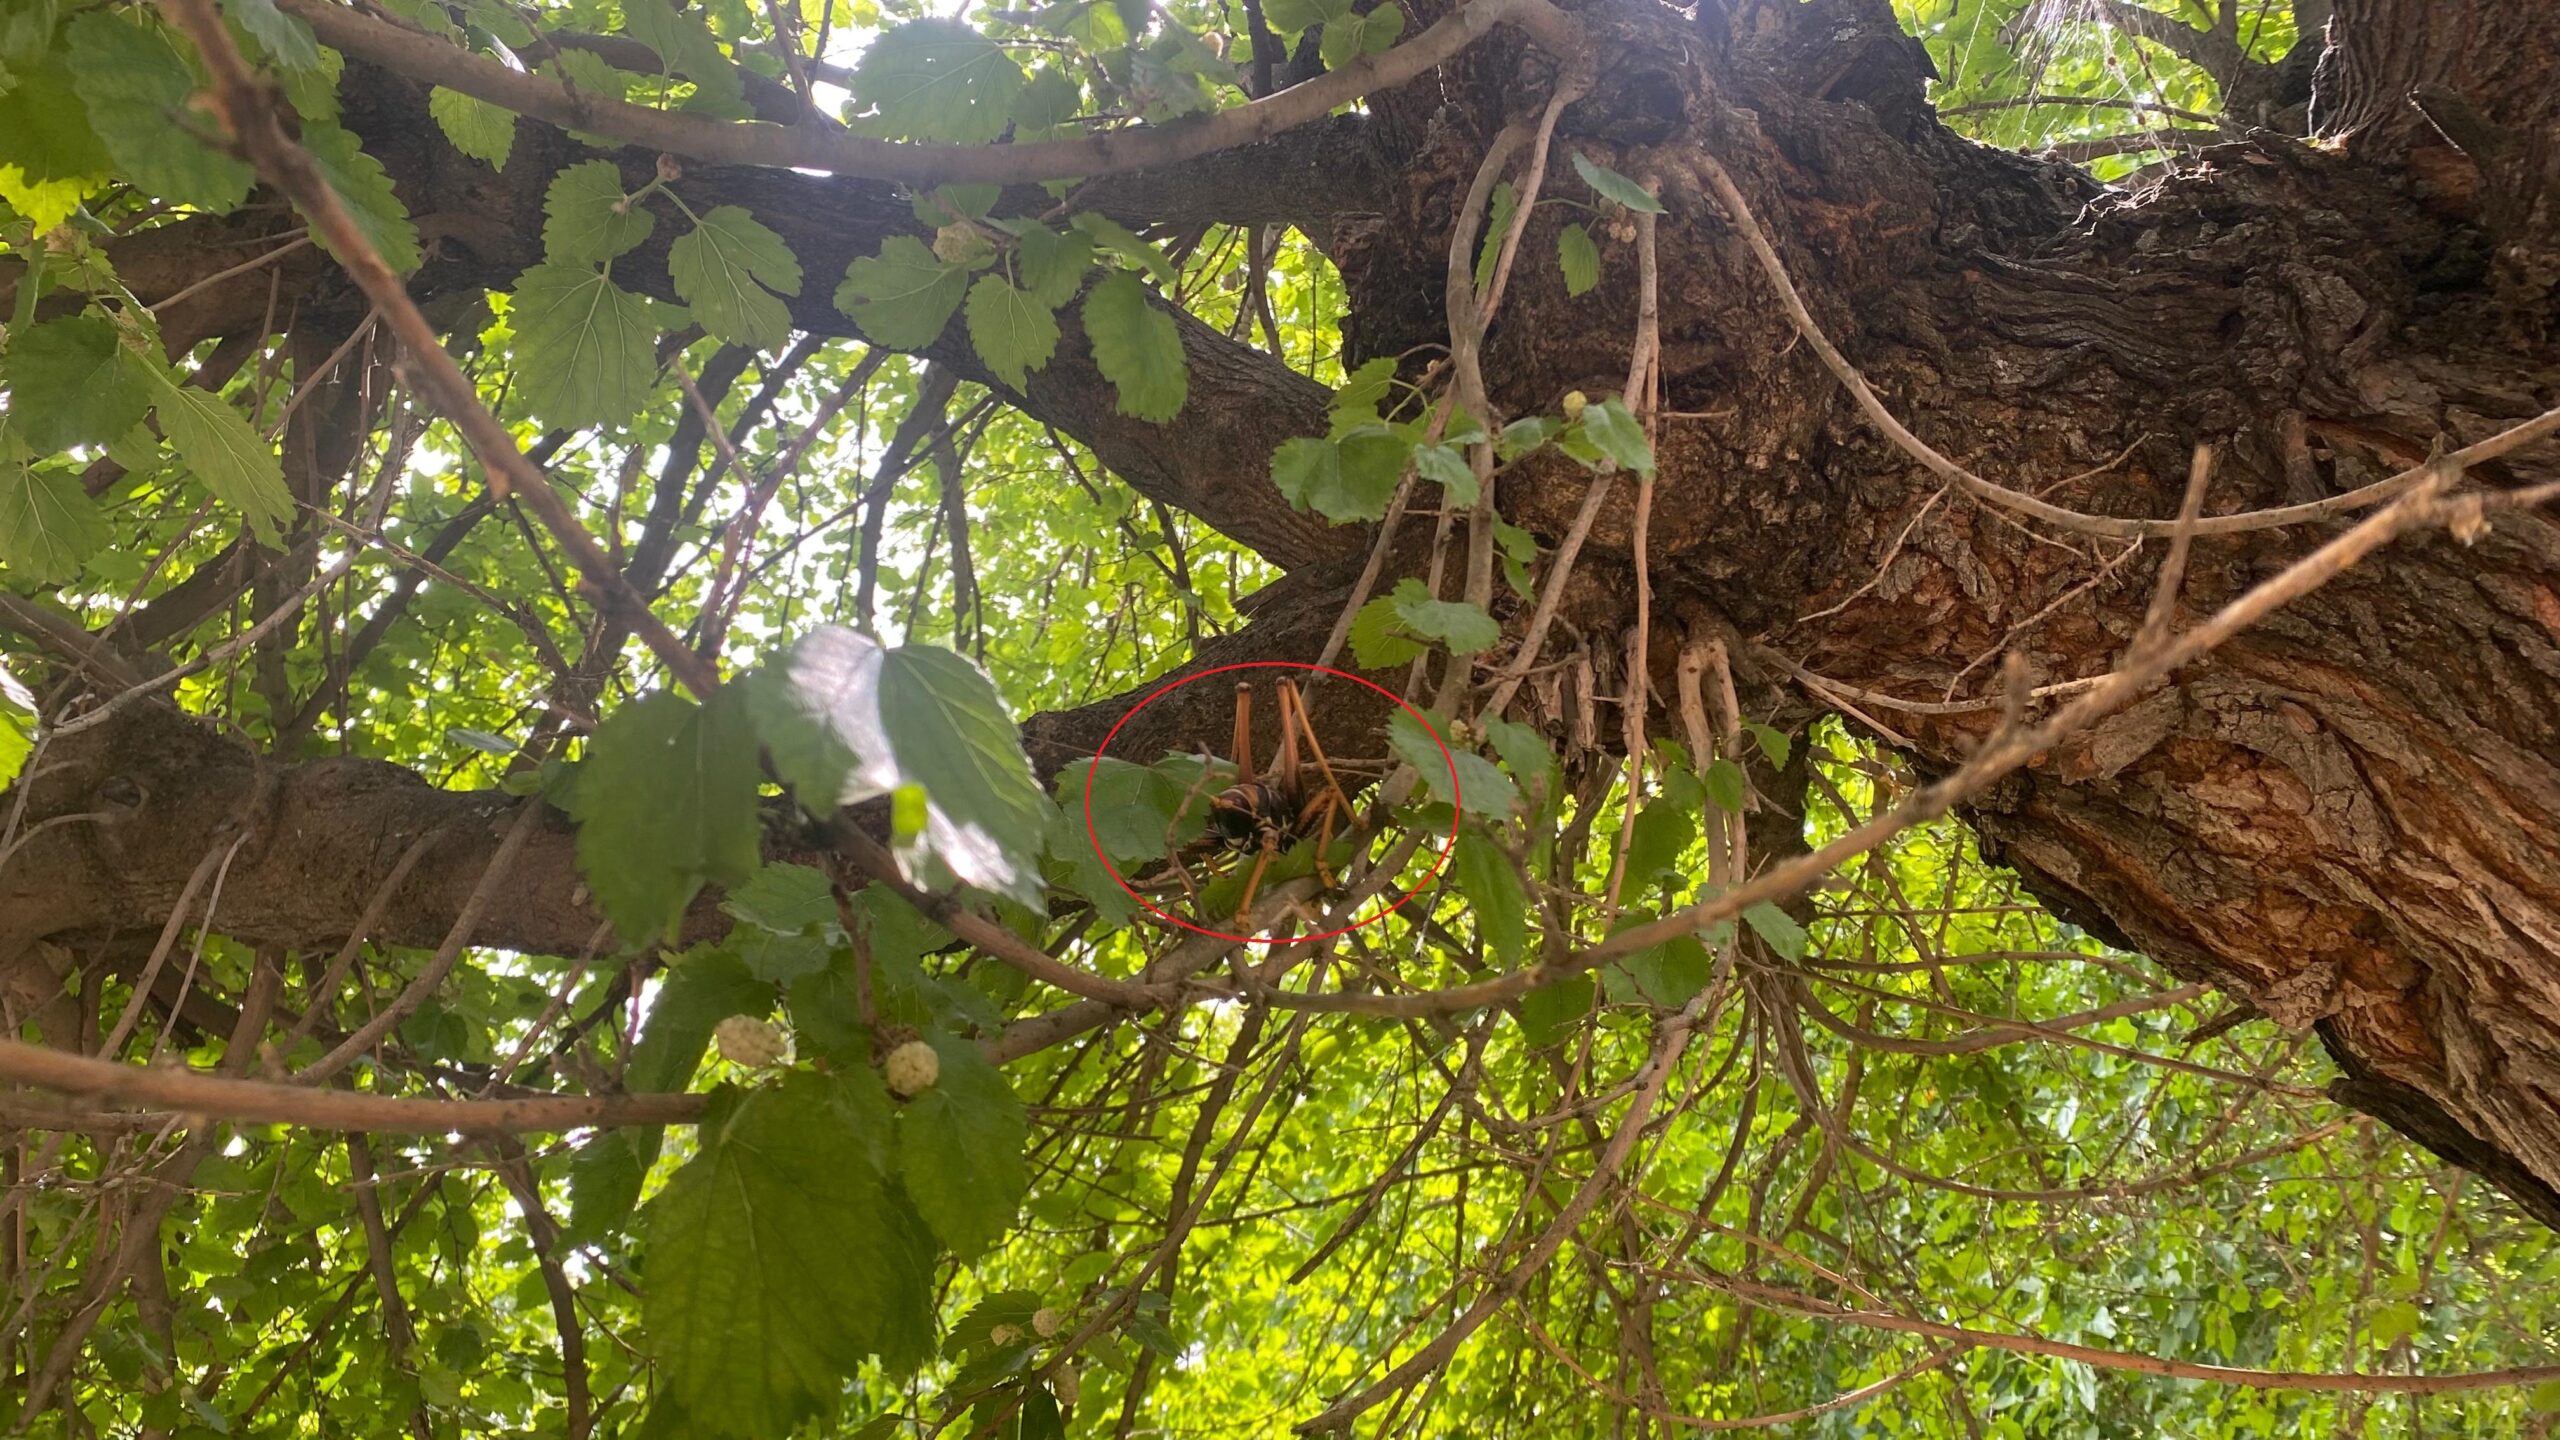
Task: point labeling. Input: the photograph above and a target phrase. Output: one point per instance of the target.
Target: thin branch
(247, 110)
(434, 61)
(196, 1092)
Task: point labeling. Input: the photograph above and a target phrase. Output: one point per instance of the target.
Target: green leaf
(1671, 973)
(1445, 467)
(1524, 435)
(727, 270)
(1363, 390)
(1140, 812)
(703, 987)
(779, 1260)
(1483, 790)
(935, 79)
(1773, 742)
(946, 204)
(1415, 744)
(1289, 17)
(139, 90)
(585, 220)
(817, 713)
(780, 959)
(226, 456)
(2392, 1322)
(1551, 1012)
(699, 990)
(1111, 235)
(1664, 831)
(73, 382)
(1054, 263)
(1014, 333)
(1580, 259)
(49, 155)
(477, 128)
(1352, 37)
(1614, 186)
(1378, 638)
(48, 526)
(1727, 789)
(960, 1150)
(585, 347)
(1137, 347)
(1462, 627)
(949, 732)
(1050, 99)
(1523, 750)
(665, 802)
(903, 296)
(1486, 877)
(845, 720)
(786, 899)
(1778, 928)
(686, 46)
(1616, 433)
(364, 187)
(586, 73)
(976, 1330)
(1347, 479)
(285, 38)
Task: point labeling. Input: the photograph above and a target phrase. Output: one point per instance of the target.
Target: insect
(1262, 815)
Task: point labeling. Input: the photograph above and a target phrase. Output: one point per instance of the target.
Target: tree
(1889, 599)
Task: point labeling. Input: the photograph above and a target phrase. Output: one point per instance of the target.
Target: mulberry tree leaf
(665, 802)
(1013, 332)
(1137, 347)
(48, 524)
(728, 269)
(584, 351)
(960, 1150)
(903, 296)
(780, 1259)
(229, 458)
(73, 382)
(139, 90)
(935, 79)
(586, 219)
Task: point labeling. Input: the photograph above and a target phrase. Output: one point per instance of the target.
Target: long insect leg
(1291, 702)
(1253, 881)
(1284, 761)
(1244, 733)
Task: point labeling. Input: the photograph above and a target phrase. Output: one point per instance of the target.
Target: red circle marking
(1094, 837)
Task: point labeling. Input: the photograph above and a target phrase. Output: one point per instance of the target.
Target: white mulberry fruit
(1045, 1322)
(750, 1040)
(912, 1068)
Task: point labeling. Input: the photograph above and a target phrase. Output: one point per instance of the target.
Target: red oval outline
(1094, 837)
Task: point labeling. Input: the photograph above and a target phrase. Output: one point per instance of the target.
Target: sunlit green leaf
(904, 295)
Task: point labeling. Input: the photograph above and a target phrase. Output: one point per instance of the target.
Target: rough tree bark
(2350, 819)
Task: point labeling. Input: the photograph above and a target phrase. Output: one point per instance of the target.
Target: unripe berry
(960, 243)
(1045, 1322)
(750, 1040)
(912, 1068)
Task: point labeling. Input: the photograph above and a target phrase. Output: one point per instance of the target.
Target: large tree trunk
(2349, 818)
